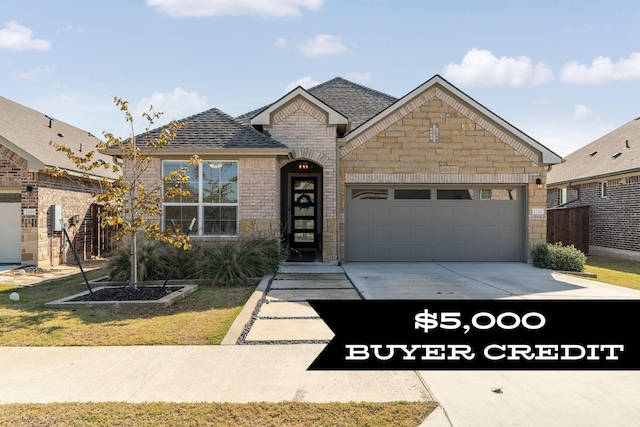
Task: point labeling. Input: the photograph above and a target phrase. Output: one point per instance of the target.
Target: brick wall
(41, 246)
(303, 127)
(259, 197)
(433, 142)
(615, 219)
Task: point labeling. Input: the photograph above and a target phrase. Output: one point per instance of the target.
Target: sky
(564, 72)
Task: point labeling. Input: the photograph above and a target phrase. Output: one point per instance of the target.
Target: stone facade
(435, 143)
(614, 219)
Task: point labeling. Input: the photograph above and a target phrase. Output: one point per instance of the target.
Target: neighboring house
(604, 175)
(28, 196)
(358, 175)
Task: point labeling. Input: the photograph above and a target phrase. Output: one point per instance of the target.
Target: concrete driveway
(470, 280)
(528, 398)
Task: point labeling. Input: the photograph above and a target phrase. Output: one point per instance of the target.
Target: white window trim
(200, 205)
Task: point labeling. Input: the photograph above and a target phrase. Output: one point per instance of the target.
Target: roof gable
(333, 116)
(597, 158)
(27, 133)
(440, 88)
(356, 102)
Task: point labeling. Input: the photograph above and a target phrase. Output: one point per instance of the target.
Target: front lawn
(216, 414)
(618, 272)
(201, 318)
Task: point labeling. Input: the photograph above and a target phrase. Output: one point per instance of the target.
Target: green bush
(154, 261)
(558, 257)
(230, 263)
(235, 263)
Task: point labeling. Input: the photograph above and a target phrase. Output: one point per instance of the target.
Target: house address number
(537, 211)
(28, 212)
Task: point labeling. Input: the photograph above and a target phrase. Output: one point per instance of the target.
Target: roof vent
(50, 120)
(61, 135)
(593, 153)
(615, 156)
(626, 144)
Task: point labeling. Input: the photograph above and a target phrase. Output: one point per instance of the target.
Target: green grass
(618, 272)
(201, 318)
(216, 414)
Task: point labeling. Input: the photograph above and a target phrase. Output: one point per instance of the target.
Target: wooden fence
(569, 226)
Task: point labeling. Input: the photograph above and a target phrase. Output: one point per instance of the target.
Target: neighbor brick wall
(614, 221)
(40, 246)
(436, 143)
(303, 127)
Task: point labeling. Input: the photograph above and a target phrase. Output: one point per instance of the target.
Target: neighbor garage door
(10, 228)
(435, 224)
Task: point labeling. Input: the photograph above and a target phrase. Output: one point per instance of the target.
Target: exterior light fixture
(539, 183)
(28, 190)
(304, 166)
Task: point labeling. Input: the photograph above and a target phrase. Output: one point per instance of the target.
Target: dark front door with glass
(304, 213)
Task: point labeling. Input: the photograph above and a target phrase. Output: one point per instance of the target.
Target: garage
(10, 228)
(421, 224)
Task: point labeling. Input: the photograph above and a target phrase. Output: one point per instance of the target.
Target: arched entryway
(301, 207)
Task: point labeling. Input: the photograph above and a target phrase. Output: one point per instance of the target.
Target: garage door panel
(464, 215)
(380, 214)
(464, 234)
(401, 233)
(420, 215)
(435, 230)
(442, 233)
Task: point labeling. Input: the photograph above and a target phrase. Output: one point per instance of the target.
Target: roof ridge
(366, 88)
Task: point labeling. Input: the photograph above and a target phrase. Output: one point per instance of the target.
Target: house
(353, 174)
(604, 175)
(31, 202)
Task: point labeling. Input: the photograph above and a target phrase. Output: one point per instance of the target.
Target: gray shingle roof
(27, 132)
(216, 129)
(358, 103)
(581, 165)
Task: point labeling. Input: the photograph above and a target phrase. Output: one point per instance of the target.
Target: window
(369, 194)
(213, 199)
(563, 196)
(455, 194)
(498, 194)
(603, 189)
(411, 194)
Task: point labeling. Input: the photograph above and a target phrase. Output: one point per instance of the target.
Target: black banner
(480, 334)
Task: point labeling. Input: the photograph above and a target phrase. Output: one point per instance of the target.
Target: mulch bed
(143, 293)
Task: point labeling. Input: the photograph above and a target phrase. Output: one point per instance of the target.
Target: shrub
(235, 263)
(154, 261)
(558, 257)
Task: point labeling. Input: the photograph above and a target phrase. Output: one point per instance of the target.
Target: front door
(304, 213)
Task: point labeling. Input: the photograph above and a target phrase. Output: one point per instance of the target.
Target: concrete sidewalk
(248, 373)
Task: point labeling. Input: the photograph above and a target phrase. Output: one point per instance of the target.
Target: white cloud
(17, 37)
(360, 77)
(602, 70)
(175, 105)
(305, 82)
(482, 68)
(33, 73)
(73, 29)
(271, 8)
(281, 43)
(322, 44)
(582, 112)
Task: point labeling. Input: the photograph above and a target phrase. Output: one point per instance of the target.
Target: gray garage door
(435, 224)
